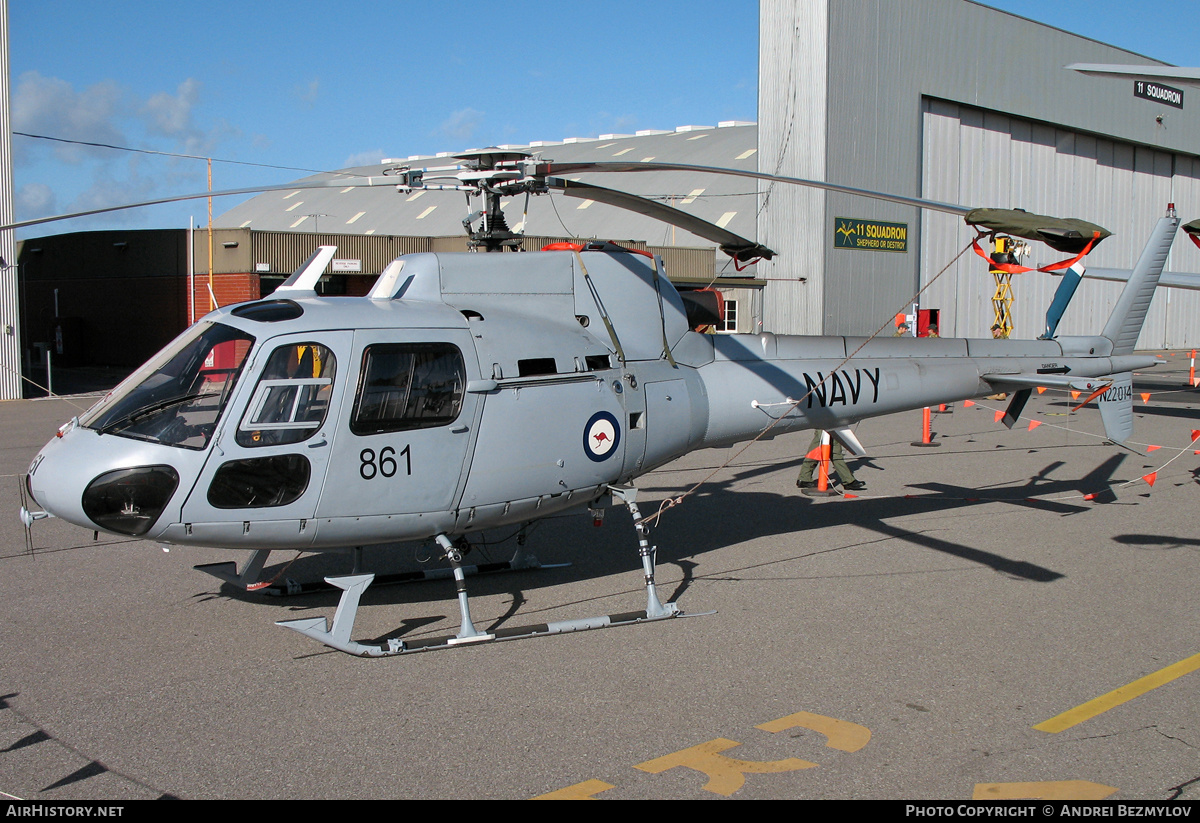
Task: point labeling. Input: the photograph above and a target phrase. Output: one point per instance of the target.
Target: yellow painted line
(725, 774)
(425, 213)
(723, 221)
(1049, 790)
(839, 734)
(745, 154)
(1075, 716)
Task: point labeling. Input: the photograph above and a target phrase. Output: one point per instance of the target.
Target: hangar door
(983, 158)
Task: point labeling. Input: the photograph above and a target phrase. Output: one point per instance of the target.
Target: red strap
(1013, 268)
(1066, 264)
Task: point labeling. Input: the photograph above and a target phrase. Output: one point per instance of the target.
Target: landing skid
(353, 586)
(338, 637)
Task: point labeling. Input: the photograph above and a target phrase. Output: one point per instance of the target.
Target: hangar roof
(727, 201)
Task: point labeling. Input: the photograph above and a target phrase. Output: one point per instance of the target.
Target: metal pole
(191, 266)
(10, 314)
(212, 294)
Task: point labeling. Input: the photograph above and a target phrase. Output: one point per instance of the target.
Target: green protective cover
(1065, 234)
(1192, 228)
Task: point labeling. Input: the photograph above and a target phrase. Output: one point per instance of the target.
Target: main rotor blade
(609, 167)
(383, 180)
(734, 245)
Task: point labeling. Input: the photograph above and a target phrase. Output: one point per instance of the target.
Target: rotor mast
(486, 167)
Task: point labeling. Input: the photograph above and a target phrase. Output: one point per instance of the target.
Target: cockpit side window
(406, 386)
(292, 396)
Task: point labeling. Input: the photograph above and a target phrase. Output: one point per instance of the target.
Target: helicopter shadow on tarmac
(719, 516)
(1157, 542)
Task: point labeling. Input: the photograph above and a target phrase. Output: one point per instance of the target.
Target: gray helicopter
(471, 391)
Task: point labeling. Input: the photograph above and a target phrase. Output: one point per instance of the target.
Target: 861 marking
(387, 467)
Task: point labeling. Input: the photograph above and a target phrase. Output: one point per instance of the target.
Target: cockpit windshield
(178, 396)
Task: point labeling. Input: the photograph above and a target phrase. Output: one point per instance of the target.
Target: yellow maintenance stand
(1005, 250)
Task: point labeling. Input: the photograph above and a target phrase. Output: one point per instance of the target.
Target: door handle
(318, 444)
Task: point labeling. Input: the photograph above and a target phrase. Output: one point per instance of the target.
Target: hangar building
(953, 101)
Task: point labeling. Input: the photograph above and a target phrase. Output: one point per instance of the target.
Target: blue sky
(316, 86)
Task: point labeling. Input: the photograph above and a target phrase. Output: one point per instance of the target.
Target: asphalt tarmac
(932, 638)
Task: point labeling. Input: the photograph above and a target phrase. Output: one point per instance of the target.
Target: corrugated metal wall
(285, 251)
(793, 81)
(10, 313)
(1009, 162)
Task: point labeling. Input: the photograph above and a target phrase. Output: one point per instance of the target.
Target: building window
(731, 316)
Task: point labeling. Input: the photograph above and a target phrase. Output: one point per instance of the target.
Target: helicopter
(471, 391)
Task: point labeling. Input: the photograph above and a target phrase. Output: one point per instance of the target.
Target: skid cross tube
(338, 635)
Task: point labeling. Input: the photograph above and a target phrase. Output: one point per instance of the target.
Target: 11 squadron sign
(1157, 91)
(869, 235)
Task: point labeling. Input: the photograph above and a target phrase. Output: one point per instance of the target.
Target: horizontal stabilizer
(1170, 279)
(1048, 381)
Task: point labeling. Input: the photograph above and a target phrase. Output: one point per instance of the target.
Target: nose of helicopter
(91, 481)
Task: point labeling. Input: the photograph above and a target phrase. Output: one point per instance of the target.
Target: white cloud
(370, 157)
(309, 92)
(171, 115)
(109, 190)
(49, 106)
(461, 125)
(35, 200)
(107, 113)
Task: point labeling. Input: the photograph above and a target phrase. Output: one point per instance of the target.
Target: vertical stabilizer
(1125, 324)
